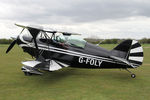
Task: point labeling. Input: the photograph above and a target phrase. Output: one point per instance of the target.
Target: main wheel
(27, 74)
(133, 75)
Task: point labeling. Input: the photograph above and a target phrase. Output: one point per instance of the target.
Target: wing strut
(34, 33)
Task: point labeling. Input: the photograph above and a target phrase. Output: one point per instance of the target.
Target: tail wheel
(132, 75)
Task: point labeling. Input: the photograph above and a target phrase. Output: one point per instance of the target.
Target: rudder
(135, 54)
(132, 50)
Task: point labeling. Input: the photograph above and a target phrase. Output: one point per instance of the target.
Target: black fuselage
(91, 56)
(54, 50)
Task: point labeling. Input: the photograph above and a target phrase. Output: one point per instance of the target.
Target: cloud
(72, 10)
(105, 18)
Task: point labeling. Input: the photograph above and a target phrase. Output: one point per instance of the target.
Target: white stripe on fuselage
(68, 52)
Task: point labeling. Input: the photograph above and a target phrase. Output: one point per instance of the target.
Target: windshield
(71, 40)
(76, 41)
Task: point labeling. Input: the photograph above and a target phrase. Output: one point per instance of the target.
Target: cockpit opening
(72, 40)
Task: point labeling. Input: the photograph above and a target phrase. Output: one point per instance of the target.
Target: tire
(133, 75)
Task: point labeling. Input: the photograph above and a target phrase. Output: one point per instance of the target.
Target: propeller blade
(11, 46)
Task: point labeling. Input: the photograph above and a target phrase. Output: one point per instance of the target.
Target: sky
(92, 18)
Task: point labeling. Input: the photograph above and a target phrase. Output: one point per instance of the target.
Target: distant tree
(114, 41)
(145, 41)
(111, 41)
(5, 41)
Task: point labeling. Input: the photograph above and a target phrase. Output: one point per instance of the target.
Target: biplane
(54, 50)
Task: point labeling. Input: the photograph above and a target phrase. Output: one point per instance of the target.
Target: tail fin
(130, 50)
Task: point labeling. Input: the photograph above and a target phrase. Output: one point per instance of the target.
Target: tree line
(114, 41)
(94, 41)
(5, 41)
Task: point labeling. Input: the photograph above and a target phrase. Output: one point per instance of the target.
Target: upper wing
(41, 29)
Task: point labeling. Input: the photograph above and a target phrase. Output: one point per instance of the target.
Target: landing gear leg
(132, 74)
(27, 73)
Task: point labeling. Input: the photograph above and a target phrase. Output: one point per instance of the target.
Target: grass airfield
(72, 83)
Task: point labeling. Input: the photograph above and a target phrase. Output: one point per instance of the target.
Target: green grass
(71, 83)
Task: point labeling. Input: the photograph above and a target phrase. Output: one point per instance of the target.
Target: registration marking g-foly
(90, 61)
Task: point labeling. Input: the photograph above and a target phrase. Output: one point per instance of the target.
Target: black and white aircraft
(54, 50)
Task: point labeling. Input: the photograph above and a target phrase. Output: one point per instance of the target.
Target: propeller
(11, 46)
(14, 42)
